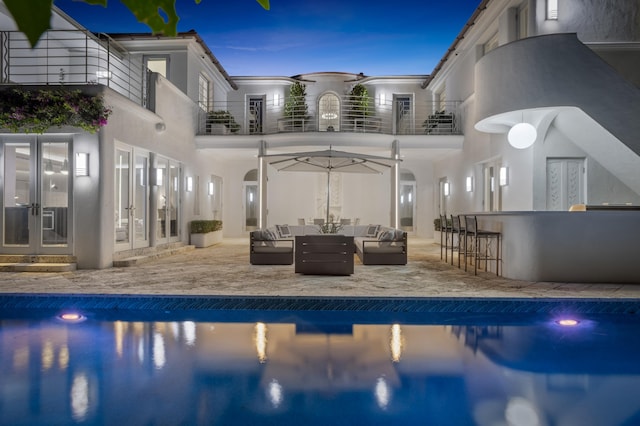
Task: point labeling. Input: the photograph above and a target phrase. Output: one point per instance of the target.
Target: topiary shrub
(205, 226)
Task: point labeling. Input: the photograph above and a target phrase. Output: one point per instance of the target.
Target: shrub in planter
(295, 109)
(205, 233)
(221, 121)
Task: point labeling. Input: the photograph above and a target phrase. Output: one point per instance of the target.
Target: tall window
(522, 21)
(552, 9)
(442, 100)
(159, 65)
(491, 44)
(204, 90)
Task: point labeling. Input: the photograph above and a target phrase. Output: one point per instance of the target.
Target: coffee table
(327, 254)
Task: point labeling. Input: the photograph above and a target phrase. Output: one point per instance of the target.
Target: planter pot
(206, 240)
(217, 129)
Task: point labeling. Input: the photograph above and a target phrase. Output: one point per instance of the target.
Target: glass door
(131, 198)
(36, 196)
(407, 206)
(168, 200)
(250, 205)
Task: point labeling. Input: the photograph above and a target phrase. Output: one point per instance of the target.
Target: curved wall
(557, 70)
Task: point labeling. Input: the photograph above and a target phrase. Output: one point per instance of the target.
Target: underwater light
(71, 317)
(568, 322)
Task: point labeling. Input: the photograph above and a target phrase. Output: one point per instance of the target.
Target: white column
(262, 185)
(395, 185)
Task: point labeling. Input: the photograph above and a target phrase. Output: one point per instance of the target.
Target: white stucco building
(570, 68)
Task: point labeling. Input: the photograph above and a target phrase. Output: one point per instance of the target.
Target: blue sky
(374, 37)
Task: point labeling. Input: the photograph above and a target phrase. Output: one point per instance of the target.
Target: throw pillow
(372, 230)
(283, 231)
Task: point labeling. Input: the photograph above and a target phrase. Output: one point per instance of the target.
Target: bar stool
(444, 237)
(457, 235)
(477, 235)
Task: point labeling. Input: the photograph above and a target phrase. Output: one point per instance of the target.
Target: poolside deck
(224, 270)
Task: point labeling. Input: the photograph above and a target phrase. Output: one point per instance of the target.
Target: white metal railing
(349, 115)
(71, 57)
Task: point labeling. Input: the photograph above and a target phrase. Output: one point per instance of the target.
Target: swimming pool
(138, 360)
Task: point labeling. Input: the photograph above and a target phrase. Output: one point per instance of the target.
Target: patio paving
(224, 270)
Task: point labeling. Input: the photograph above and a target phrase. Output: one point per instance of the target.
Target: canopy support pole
(395, 185)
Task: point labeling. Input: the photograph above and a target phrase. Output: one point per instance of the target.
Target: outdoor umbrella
(329, 161)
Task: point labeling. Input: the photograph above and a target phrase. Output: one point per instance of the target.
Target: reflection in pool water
(467, 371)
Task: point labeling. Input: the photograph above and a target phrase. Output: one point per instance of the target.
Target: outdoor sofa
(374, 244)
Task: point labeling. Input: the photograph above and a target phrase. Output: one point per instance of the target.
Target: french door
(36, 195)
(168, 183)
(407, 208)
(131, 198)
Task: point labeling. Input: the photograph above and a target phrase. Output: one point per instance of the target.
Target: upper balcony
(72, 57)
(347, 114)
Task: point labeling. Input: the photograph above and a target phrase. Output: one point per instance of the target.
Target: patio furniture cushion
(372, 230)
(283, 231)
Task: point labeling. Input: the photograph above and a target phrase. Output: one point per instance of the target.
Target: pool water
(194, 361)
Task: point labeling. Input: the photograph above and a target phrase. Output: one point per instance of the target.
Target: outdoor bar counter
(592, 246)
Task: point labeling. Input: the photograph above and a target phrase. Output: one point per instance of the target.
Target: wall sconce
(446, 188)
(552, 10)
(82, 164)
(210, 188)
(276, 99)
(189, 184)
(382, 99)
(103, 74)
(469, 184)
(504, 176)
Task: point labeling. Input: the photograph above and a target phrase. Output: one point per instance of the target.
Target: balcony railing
(347, 115)
(71, 57)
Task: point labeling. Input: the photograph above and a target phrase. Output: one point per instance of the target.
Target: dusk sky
(374, 37)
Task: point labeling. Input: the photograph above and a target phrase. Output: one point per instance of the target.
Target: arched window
(329, 108)
(250, 199)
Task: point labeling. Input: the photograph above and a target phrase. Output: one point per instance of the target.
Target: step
(37, 258)
(150, 255)
(37, 267)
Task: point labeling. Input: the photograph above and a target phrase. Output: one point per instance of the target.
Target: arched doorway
(250, 200)
(329, 113)
(407, 209)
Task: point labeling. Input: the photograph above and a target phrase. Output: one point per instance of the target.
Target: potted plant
(296, 109)
(221, 122)
(358, 108)
(205, 233)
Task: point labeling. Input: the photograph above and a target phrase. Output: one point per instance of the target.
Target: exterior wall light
(276, 99)
(82, 164)
(552, 10)
(446, 188)
(189, 187)
(522, 135)
(504, 176)
(382, 99)
(469, 184)
(210, 188)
